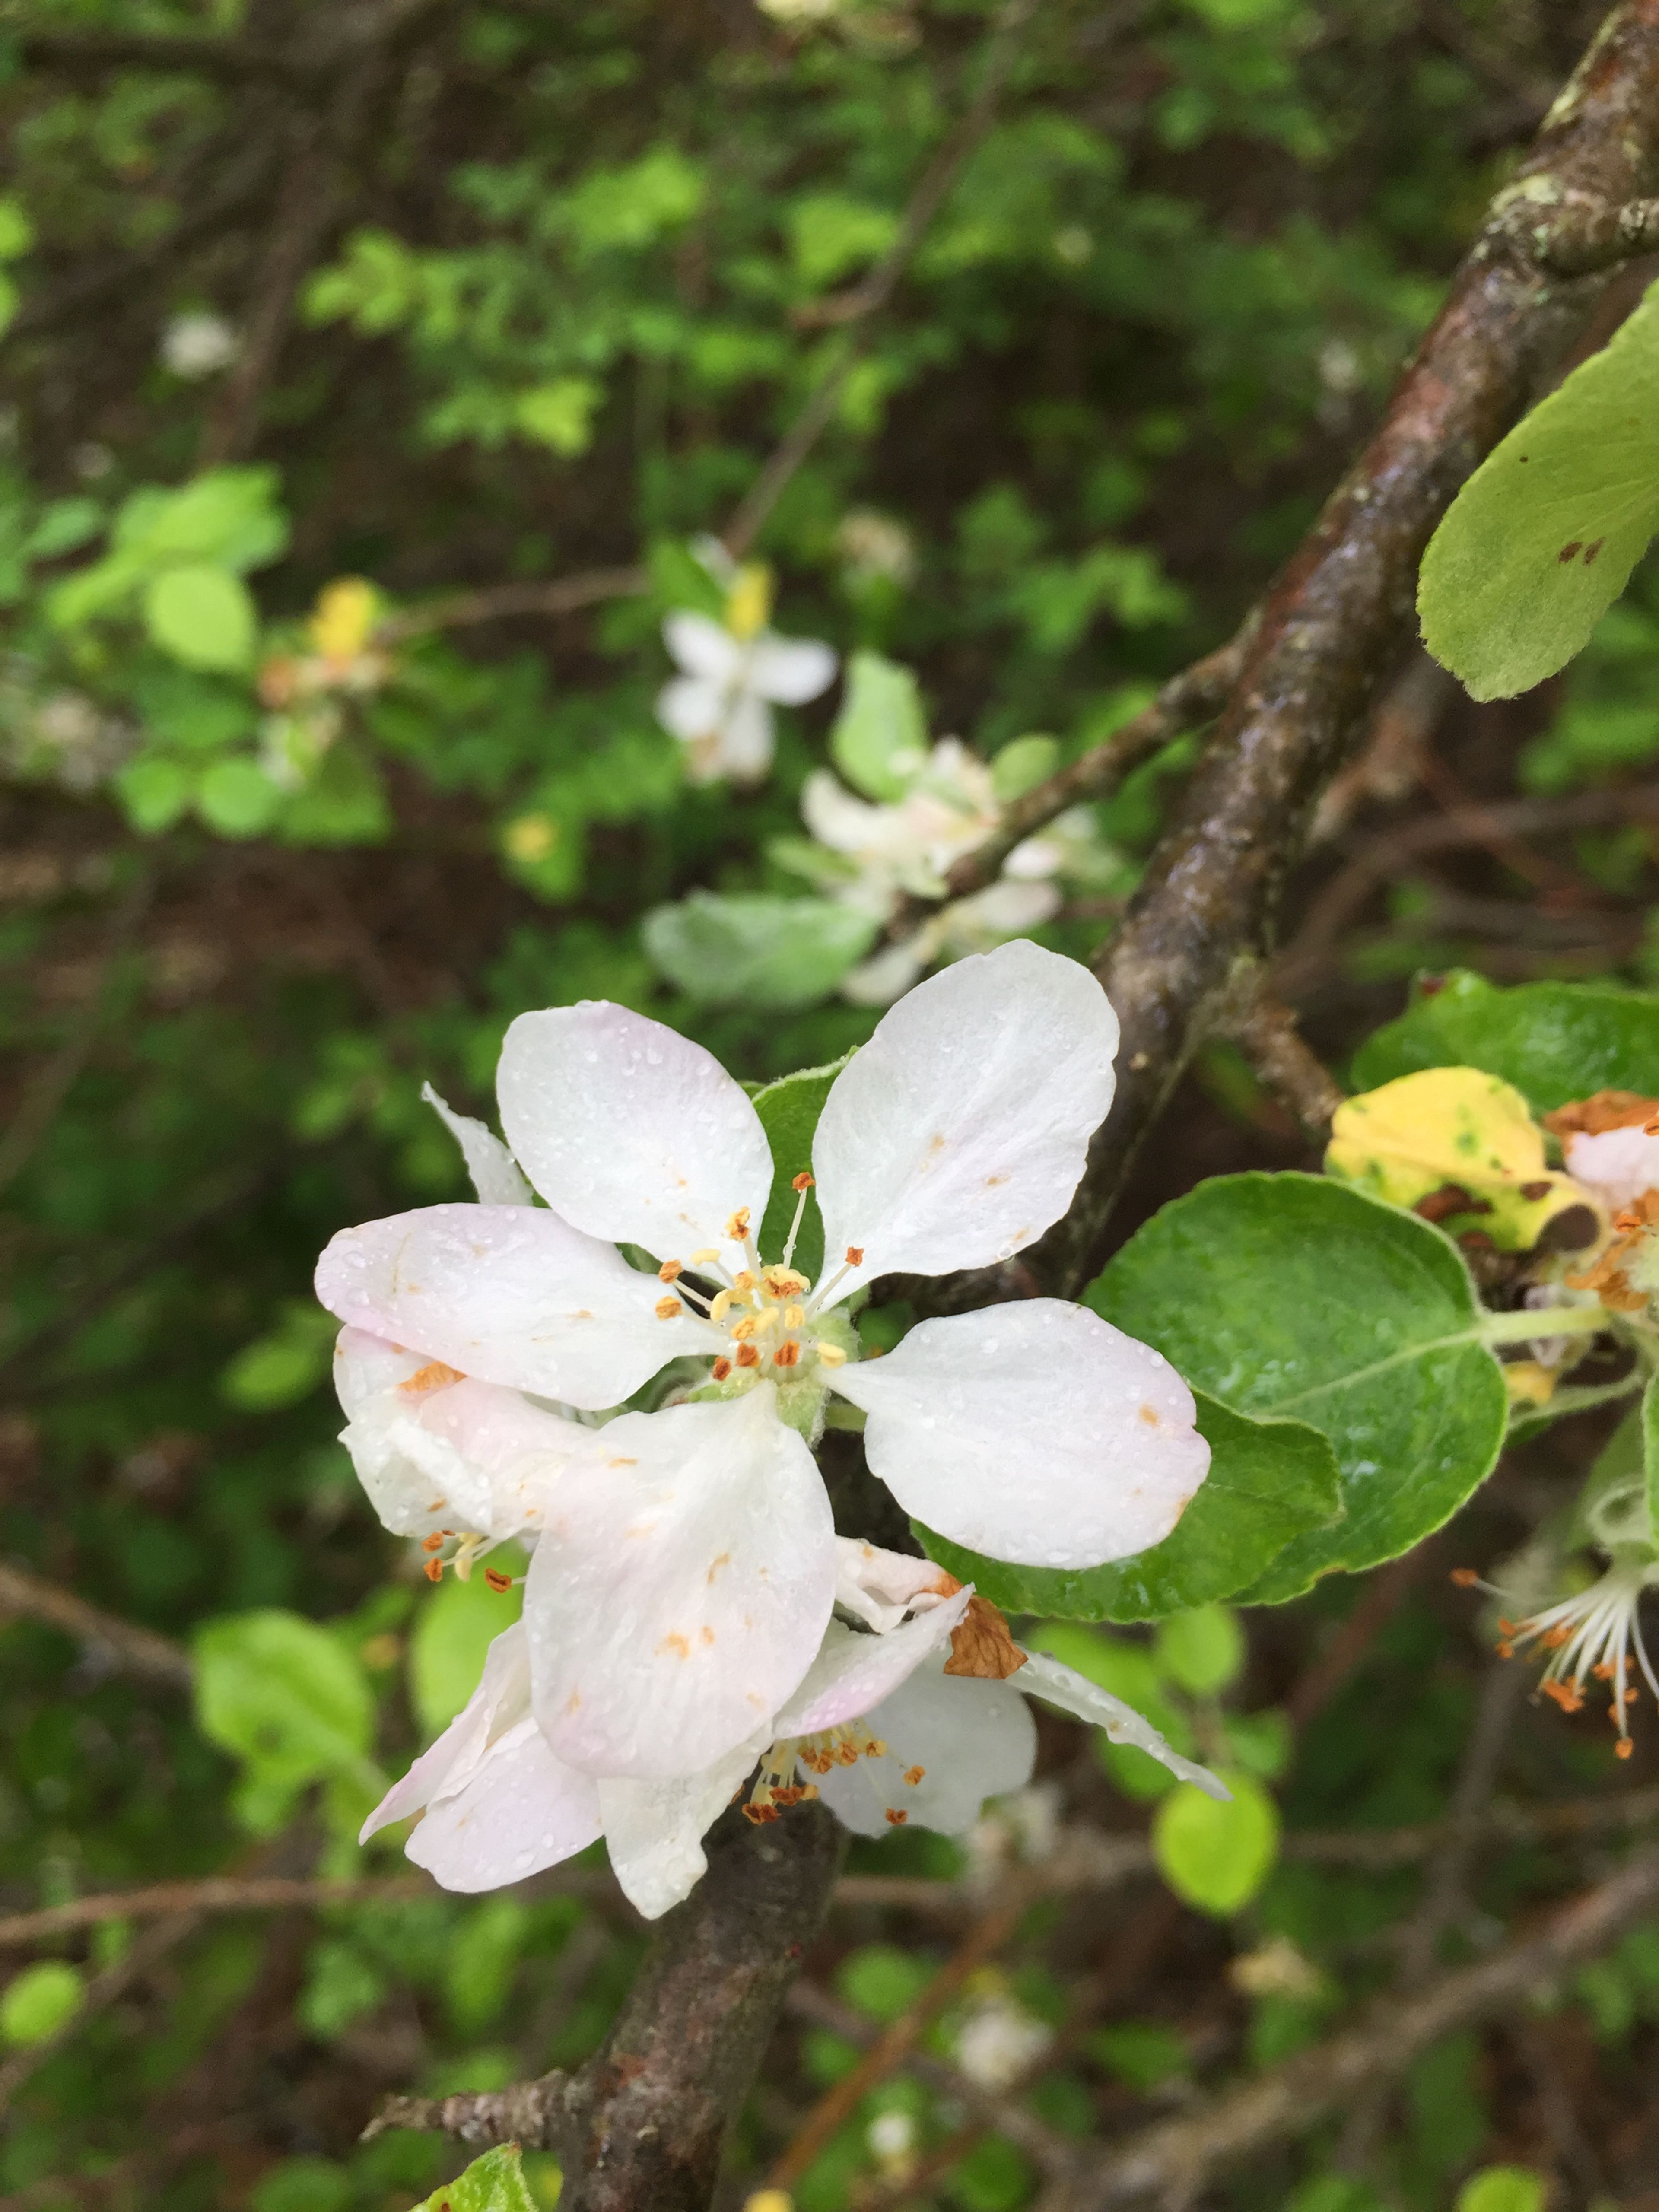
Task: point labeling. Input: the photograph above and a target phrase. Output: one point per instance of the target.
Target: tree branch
(493, 602)
(1338, 616)
(1176, 2158)
(1264, 1029)
(133, 1649)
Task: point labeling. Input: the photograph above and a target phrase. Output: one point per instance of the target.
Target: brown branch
(1264, 1029)
(838, 2104)
(1339, 615)
(494, 602)
(90, 53)
(644, 2122)
(133, 1649)
(1596, 238)
(859, 305)
(1176, 2158)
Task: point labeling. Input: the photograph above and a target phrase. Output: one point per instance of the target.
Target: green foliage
(1289, 1296)
(1202, 1651)
(1502, 2189)
(879, 738)
(289, 1701)
(789, 1111)
(756, 951)
(1543, 537)
(494, 2182)
(1216, 1854)
(38, 2001)
(1270, 1481)
(1553, 1042)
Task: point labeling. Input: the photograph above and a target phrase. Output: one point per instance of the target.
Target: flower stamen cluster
(1590, 1636)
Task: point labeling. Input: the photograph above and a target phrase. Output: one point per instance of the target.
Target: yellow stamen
(831, 1355)
(667, 1308)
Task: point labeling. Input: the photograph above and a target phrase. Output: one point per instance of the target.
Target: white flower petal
(653, 1830)
(508, 1293)
(680, 1588)
(444, 1768)
(520, 1811)
(836, 818)
(630, 1131)
(701, 647)
(691, 707)
(959, 1132)
(1003, 908)
(889, 974)
(854, 1671)
(494, 1171)
(746, 740)
(1045, 1678)
(1033, 1432)
(882, 1587)
(972, 1739)
(1618, 1166)
(790, 670)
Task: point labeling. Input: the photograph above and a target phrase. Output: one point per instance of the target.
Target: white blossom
(685, 1565)
(199, 343)
(731, 675)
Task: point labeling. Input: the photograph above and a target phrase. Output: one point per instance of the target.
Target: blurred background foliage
(496, 306)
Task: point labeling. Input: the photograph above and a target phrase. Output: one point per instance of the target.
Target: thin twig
(1264, 1029)
(857, 307)
(493, 602)
(102, 1991)
(133, 1649)
(1176, 2158)
(839, 2102)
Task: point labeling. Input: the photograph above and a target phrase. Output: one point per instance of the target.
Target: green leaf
(1021, 763)
(285, 1365)
(1292, 1295)
(229, 518)
(1542, 538)
(756, 951)
(287, 1698)
(1203, 1650)
(38, 2001)
(345, 802)
(302, 2184)
(1504, 2189)
(483, 1963)
(203, 616)
(1269, 1481)
(237, 798)
(1216, 1855)
(155, 791)
(789, 1110)
(17, 231)
(494, 2182)
(453, 1629)
(1553, 1042)
(879, 740)
(559, 414)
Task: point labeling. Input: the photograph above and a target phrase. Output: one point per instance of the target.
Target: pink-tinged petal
(680, 1589)
(1033, 1432)
(701, 647)
(882, 1587)
(653, 1830)
(1045, 1678)
(959, 1132)
(791, 670)
(1618, 1166)
(836, 818)
(630, 1131)
(690, 708)
(494, 1171)
(971, 1740)
(438, 1451)
(501, 1701)
(520, 1811)
(509, 1294)
(854, 1671)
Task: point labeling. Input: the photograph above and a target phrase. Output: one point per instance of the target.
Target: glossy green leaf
(1292, 1296)
(1553, 1042)
(38, 2001)
(789, 1111)
(455, 1626)
(287, 1698)
(881, 736)
(1269, 1482)
(1216, 1854)
(756, 951)
(1542, 538)
(203, 616)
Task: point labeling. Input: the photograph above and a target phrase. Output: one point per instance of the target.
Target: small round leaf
(1216, 1855)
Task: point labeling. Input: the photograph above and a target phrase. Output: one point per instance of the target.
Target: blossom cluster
(624, 1382)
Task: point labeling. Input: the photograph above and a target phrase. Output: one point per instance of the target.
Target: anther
(667, 1308)
(1465, 1577)
(914, 1774)
(434, 1542)
(670, 1270)
(855, 1255)
(895, 1817)
(498, 1582)
(804, 1181)
(722, 1368)
(433, 1570)
(747, 1356)
(787, 1355)
(1624, 1747)
(737, 1227)
(831, 1355)
(706, 1257)
(793, 1317)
